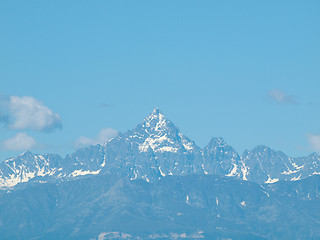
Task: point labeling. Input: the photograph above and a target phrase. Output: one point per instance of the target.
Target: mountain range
(153, 182)
(154, 149)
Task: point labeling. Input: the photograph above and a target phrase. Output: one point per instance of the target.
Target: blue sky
(76, 72)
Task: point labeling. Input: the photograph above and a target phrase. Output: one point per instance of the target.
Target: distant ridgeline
(153, 150)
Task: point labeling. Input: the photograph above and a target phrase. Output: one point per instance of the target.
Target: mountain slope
(191, 207)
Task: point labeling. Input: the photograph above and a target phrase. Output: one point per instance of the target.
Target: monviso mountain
(153, 182)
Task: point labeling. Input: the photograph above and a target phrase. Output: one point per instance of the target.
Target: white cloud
(281, 97)
(314, 142)
(103, 136)
(28, 113)
(21, 141)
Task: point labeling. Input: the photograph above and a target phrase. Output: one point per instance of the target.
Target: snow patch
(186, 144)
(296, 166)
(245, 172)
(154, 143)
(289, 172)
(103, 164)
(205, 172)
(82, 172)
(233, 172)
(168, 149)
(296, 178)
(162, 174)
(144, 178)
(270, 180)
(135, 175)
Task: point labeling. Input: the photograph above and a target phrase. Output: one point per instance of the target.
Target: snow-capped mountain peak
(161, 135)
(156, 122)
